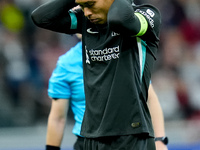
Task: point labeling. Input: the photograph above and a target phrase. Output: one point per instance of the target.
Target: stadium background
(29, 54)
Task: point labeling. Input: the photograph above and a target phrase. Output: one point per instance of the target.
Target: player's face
(95, 10)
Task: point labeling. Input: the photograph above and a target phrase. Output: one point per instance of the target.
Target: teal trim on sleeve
(142, 55)
(73, 20)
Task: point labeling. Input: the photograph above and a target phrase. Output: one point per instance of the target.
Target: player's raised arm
(124, 17)
(54, 15)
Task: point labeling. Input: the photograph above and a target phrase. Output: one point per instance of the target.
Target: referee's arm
(157, 117)
(56, 123)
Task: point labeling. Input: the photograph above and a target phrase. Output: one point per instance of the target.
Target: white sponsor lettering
(87, 57)
(102, 55)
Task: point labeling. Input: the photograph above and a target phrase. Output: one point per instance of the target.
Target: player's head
(95, 10)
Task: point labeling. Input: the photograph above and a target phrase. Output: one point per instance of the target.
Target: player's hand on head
(77, 7)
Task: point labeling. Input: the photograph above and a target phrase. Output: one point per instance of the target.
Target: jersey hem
(116, 134)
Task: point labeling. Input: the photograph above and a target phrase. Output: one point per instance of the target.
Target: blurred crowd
(29, 54)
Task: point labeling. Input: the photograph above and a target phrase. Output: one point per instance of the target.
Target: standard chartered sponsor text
(105, 54)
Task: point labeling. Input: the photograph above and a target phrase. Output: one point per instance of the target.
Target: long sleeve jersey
(118, 59)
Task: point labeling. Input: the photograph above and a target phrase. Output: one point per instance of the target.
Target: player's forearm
(52, 15)
(158, 121)
(55, 131)
(156, 116)
(156, 112)
(121, 18)
(158, 124)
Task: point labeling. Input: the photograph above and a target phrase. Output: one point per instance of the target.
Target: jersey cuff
(73, 20)
(144, 24)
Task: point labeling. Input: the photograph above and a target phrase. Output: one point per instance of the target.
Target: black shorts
(129, 142)
(78, 145)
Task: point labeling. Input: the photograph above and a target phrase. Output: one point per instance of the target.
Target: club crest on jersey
(114, 33)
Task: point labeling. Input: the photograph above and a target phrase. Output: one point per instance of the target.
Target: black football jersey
(117, 65)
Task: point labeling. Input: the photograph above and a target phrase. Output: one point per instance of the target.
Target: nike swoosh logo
(91, 32)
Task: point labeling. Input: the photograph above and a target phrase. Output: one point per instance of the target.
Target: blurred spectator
(11, 16)
(16, 67)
